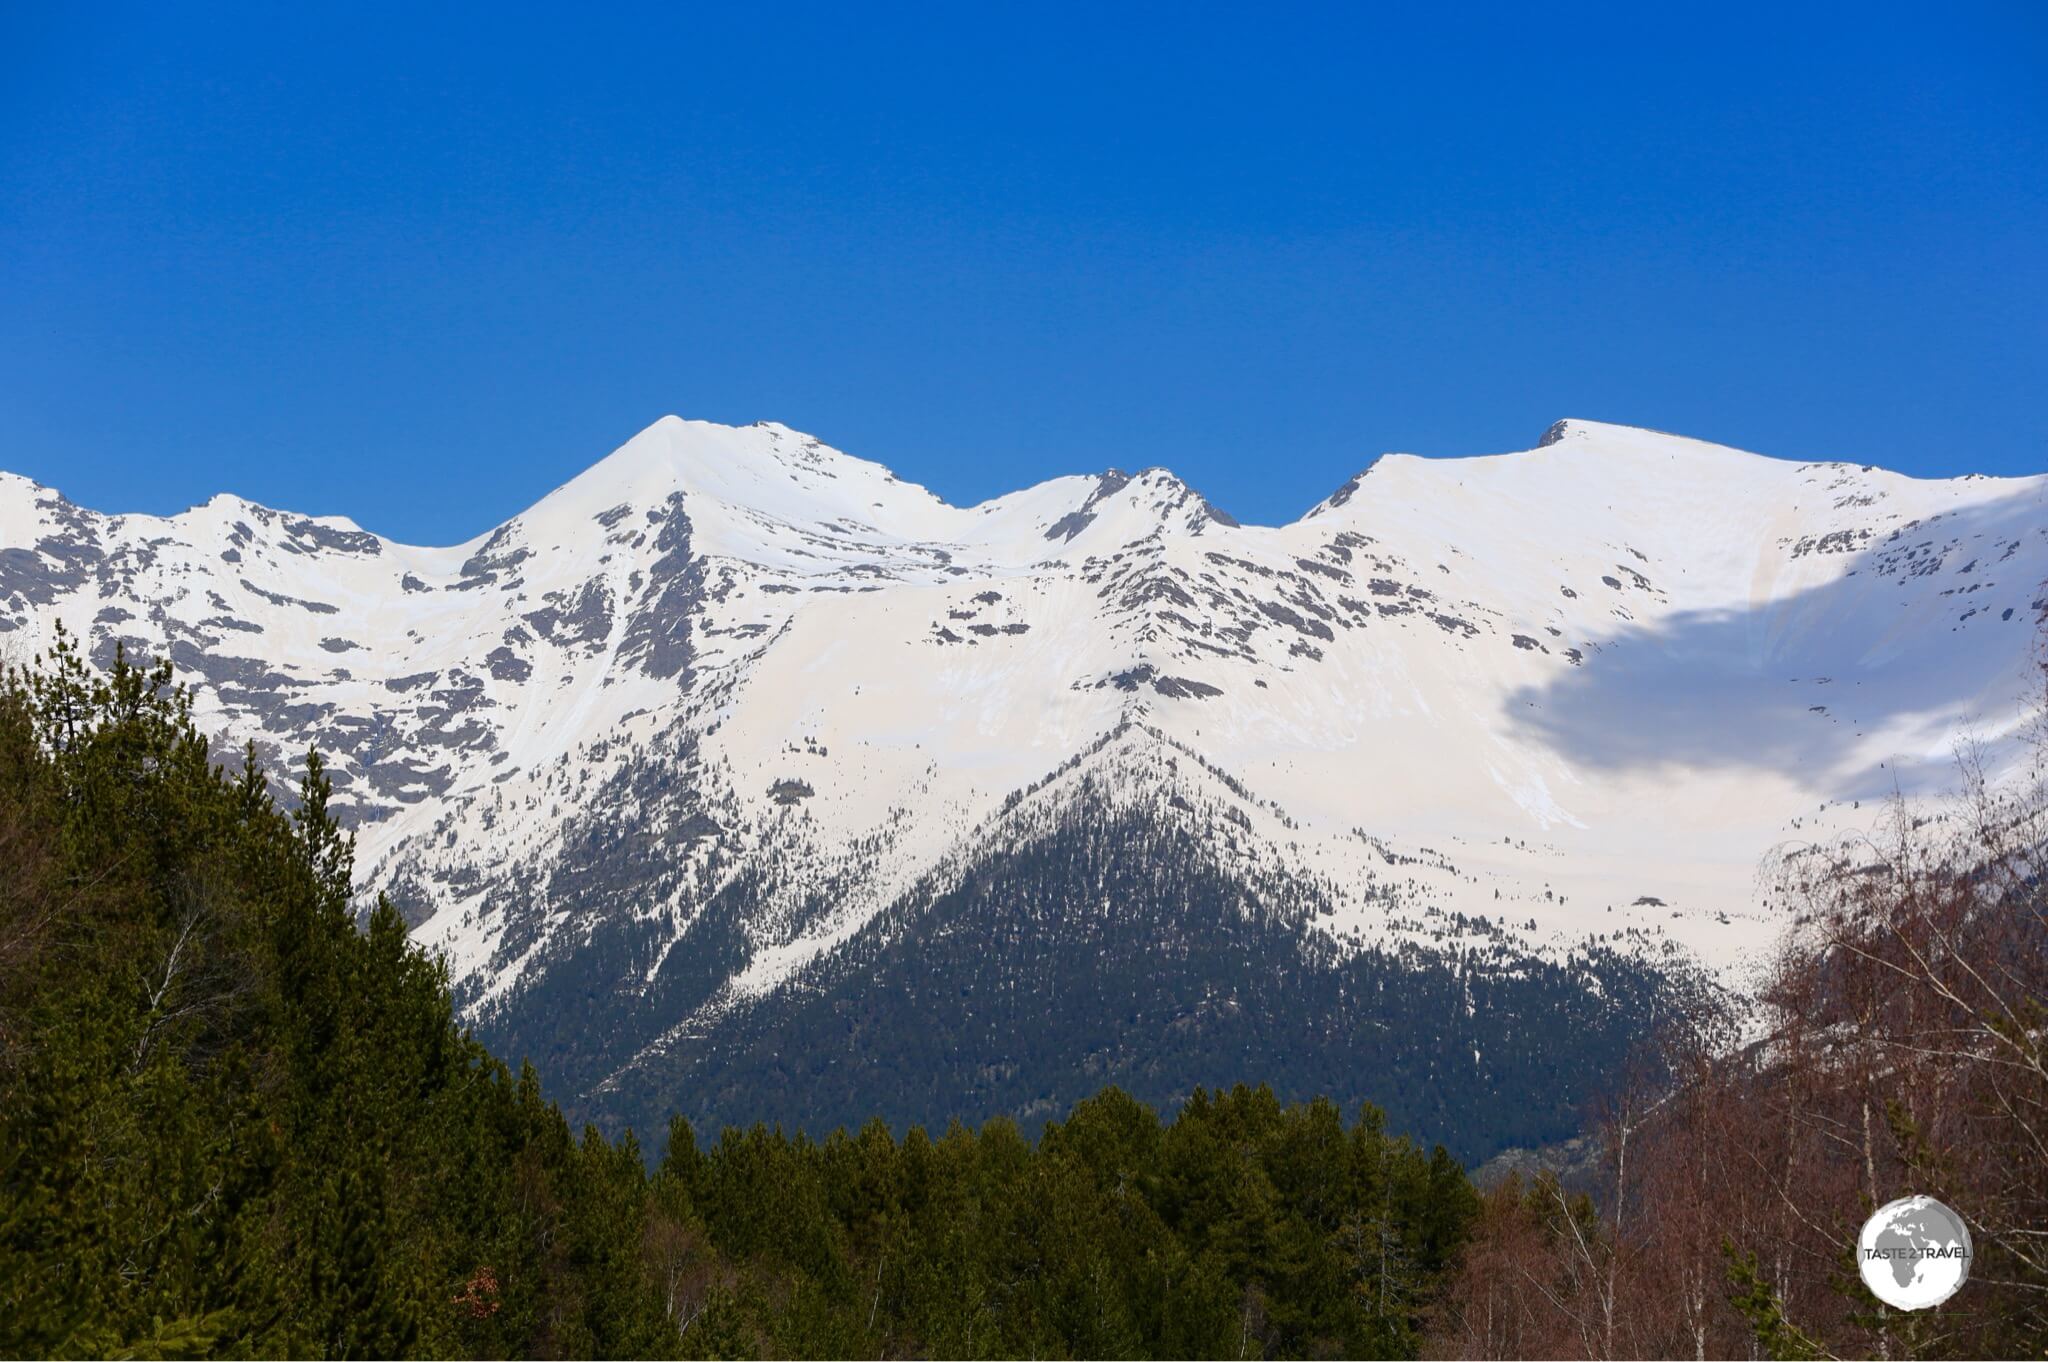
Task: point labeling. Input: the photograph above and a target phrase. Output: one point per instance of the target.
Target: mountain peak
(764, 471)
(1617, 436)
(1578, 428)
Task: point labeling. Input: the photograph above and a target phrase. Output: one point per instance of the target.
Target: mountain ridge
(1554, 434)
(719, 713)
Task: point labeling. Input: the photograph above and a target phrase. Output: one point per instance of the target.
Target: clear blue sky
(419, 264)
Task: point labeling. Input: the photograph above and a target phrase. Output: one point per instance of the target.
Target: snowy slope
(742, 693)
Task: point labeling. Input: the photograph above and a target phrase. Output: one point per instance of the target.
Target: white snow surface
(1580, 690)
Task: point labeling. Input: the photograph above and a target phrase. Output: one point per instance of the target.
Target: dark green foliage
(234, 1122)
(230, 1122)
(1757, 1303)
(1240, 1228)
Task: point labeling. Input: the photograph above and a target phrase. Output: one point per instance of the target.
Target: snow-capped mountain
(738, 776)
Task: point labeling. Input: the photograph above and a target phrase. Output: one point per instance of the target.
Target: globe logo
(1914, 1253)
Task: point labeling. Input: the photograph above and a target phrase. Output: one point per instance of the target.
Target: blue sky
(419, 268)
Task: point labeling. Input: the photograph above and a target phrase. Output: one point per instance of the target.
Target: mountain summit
(738, 776)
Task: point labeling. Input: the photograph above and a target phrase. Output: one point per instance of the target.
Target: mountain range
(742, 779)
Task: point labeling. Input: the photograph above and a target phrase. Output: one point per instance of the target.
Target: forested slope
(231, 1123)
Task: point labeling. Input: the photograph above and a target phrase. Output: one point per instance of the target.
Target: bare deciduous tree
(1902, 1048)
